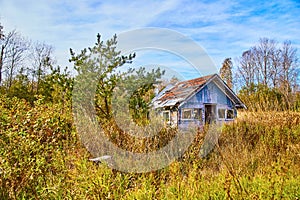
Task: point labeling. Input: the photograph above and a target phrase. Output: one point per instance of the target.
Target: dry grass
(257, 157)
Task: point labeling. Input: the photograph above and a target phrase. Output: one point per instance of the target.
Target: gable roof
(182, 91)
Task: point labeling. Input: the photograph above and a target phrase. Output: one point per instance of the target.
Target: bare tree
(41, 57)
(247, 68)
(270, 65)
(262, 54)
(275, 68)
(289, 67)
(14, 53)
(1, 32)
(2, 44)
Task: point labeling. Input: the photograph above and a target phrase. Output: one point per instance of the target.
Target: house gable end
(212, 92)
(228, 92)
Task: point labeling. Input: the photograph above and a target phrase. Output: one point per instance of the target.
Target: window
(225, 113)
(166, 116)
(187, 114)
(198, 113)
(230, 114)
(221, 113)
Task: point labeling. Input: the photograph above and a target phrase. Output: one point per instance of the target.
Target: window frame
(169, 114)
(199, 110)
(227, 114)
(186, 109)
(192, 113)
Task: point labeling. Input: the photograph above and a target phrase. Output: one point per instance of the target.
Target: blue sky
(222, 28)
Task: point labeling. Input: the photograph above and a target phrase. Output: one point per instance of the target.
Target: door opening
(210, 114)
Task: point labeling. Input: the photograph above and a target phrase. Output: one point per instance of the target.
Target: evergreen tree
(226, 72)
(97, 69)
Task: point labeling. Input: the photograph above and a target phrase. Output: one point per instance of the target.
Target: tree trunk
(1, 62)
(10, 76)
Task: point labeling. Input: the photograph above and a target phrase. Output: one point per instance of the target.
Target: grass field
(257, 157)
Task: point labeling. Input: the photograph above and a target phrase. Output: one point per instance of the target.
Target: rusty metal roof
(180, 92)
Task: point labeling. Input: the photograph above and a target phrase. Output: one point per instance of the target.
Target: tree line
(266, 75)
(27, 69)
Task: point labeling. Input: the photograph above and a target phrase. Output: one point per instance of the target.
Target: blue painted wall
(211, 93)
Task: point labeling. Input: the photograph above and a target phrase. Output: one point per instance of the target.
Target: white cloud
(224, 28)
(75, 24)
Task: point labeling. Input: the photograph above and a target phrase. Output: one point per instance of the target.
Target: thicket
(263, 98)
(257, 156)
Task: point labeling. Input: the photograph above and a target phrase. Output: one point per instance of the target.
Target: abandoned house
(202, 100)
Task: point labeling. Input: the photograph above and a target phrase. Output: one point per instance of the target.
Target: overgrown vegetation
(42, 157)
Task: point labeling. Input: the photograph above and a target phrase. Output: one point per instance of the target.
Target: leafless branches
(269, 64)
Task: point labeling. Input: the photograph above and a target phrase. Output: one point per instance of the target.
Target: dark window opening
(230, 114)
(198, 113)
(166, 116)
(221, 113)
(187, 114)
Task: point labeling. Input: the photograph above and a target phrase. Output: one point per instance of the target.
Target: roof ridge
(202, 77)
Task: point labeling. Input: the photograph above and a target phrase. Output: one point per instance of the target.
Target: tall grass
(257, 157)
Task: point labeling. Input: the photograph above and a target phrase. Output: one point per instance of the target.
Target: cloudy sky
(223, 28)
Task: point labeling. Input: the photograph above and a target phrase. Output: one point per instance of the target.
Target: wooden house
(202, 100)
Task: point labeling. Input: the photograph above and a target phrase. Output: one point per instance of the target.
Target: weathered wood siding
(210, 94)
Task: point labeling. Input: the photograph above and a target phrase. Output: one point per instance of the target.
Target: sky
(182, 30)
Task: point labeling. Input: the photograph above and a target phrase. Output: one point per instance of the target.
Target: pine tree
(97, 69)
(226, 72)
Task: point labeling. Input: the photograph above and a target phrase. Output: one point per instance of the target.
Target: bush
(33, 142)
(257, 157)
